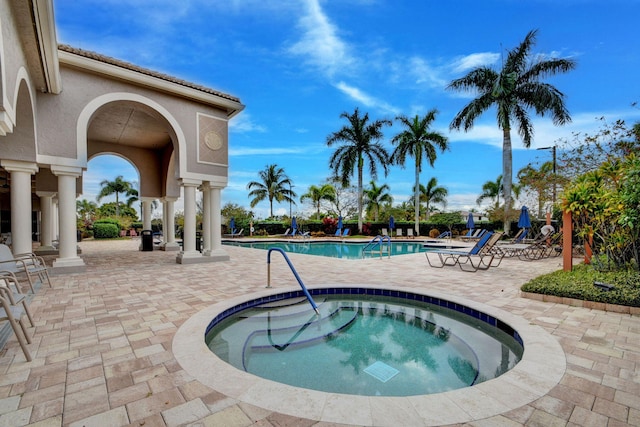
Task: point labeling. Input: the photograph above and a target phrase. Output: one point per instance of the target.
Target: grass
(579, 284)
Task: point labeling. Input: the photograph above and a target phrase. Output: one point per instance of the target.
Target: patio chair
(410, 233)
(482, 251)
(9, 285)
(29, 264)
(384, 232)
(338, 232)
(477, 235)
(399, 232)
(346, 232)
(13, 314)
(444, 235)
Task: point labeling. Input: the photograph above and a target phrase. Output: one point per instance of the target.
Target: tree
(318, 194)
(117, 187)
(360, 142)
(431, 194)
(86, 210)
(274, 185)
(418, 141)
(375, 196)
(541, 181)
(514, 90)
(491, 190)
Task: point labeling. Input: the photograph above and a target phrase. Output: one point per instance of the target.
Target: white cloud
(474, 60)
(320, 43)
(366, 99)
(426, 74)
(265, 151)
(243, 123)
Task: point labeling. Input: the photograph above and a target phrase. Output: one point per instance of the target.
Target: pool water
(364, 345)
(337, 249)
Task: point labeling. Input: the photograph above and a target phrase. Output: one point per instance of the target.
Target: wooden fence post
(567, 243)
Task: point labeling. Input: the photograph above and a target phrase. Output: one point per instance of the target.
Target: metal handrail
(379, 240)
(295, 273)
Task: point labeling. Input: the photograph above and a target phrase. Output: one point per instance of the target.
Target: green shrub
(109, 221)
(105, 231)
(578, 284)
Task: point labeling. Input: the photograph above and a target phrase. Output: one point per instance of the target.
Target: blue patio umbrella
(470, 223)
(392, 222)
(340, 222)
(294, 223)
(524, 221)
(232, 224)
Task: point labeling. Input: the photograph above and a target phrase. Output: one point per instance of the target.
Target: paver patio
(102, 341)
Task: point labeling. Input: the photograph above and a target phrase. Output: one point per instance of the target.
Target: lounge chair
(482, 251)
(13, 314)
(410, 233)
(399, 232)
(477, 234)
(346, 232)
(444, 235)
(29, 265)
(286, 233)
(543, 246)
(384, 232)
(338, 232)
(238, 234)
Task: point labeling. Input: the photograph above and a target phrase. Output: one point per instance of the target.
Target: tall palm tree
(514, 90)
(117, 187)
(318, 194)
(431, 194)
(376, 196)
(418, 141)
(360, 142)
(274, 185)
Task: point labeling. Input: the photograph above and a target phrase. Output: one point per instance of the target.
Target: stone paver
(102, 341)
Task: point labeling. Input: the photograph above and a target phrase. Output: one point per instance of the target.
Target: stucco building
(61, 106)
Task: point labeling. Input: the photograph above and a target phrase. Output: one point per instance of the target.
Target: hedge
(105, 230)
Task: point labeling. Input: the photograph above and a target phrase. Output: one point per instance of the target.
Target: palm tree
(418, 141)
(117, 186)
(274, 184)
(360, 140)
(86, 210)
(318, 194)
(376, 196)
(432, 194)
(491, 190)
(514, 90)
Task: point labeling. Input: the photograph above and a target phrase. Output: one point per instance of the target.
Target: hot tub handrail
(295, 273)
(379, 240)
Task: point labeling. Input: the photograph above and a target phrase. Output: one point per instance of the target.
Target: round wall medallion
(213, 140)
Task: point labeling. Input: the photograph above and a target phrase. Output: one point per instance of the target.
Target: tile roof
(132, 67)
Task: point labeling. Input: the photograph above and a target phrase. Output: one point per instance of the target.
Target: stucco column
(146, 212)
(216, 226)
(169, 225)
(206, 219)
(46, 223)
(20, 204)
(68, 259)
(55, 214)
(189, 253)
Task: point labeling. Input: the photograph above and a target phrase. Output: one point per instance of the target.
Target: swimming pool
(366, 344)
(347, 250)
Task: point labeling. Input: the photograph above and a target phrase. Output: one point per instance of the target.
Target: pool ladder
(295, 274)
(380, 241)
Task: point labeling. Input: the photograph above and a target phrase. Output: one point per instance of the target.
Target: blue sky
(298, 64)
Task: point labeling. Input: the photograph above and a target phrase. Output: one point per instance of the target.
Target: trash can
(198, 241)
(147, 240)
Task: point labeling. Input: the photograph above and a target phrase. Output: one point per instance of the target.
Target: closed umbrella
(340, 222)
(392, 223)
(470, 223)
(524, 221)
(232, 225)
(294, 223)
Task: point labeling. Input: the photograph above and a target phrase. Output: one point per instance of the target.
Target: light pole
(553, 151)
